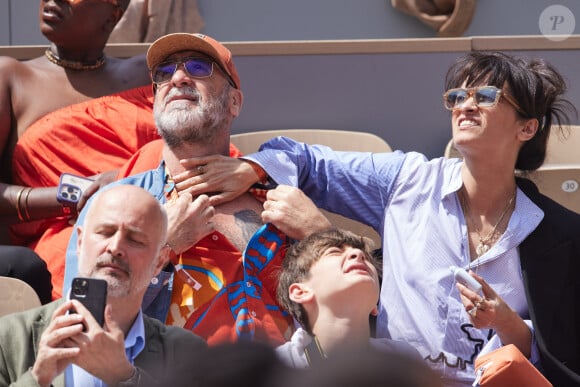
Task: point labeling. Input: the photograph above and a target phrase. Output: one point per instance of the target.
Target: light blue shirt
(134, 344)
(412, 202)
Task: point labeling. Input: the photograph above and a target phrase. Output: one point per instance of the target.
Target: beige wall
(258, 20)
(391, 88)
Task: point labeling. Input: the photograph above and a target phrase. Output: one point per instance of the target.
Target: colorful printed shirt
(232, 293)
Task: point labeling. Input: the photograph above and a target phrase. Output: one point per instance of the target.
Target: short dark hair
(536, 85)
(302, 255)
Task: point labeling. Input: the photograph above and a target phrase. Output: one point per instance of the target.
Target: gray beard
(184, 125)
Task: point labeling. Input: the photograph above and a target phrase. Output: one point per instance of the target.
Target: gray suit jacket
(165, 360)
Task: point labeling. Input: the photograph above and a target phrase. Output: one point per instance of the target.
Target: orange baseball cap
(172, 43)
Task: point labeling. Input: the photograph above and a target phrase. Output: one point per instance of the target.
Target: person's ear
(236, 100)
(300, 293)
(163, 259)
(528, 129)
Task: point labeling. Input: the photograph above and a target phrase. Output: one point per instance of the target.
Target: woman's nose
(468, 105)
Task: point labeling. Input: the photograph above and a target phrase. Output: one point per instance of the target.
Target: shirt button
(154, 280)
(248, 284)
(214, 237)
(253, 313)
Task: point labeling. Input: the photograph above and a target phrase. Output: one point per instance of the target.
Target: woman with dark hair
(474, 213)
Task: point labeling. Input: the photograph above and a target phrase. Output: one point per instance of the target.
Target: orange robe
(84, 139)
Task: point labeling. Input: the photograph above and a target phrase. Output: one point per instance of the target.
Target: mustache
(182, 91)
(109, 260)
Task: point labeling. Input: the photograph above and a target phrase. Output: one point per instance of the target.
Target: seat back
(561, 149)
(559, 176)
(16, 296)
(564, 149)
(451, 151)
(560, 182)
(342, 140)
(337, 140)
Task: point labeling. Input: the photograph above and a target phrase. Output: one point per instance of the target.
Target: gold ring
(200, 168)
(472, 312)
(477, 304)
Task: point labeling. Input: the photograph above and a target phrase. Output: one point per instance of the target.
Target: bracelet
(134, 380)
(18, 212)
(25, 206)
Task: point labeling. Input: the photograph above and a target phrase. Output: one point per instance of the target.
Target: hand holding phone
(92, 293)
(463, 277)
(71, 188)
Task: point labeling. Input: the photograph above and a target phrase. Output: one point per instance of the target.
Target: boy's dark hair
(302, 255)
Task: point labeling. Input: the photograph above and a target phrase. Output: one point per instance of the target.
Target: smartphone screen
(92, 293)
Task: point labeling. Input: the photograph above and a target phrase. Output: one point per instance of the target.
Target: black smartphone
(92, 293)
(71, 188)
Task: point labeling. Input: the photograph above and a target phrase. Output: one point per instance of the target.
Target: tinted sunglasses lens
(164, 72)
(486, 96)
(455, 97)
(199, 68)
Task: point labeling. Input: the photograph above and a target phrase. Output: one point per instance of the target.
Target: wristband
(18, 211)
(67, 208)
(25, 205)
(133, 380)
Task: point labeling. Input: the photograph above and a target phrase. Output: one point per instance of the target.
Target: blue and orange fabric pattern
(224, 295)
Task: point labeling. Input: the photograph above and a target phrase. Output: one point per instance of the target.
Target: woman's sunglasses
(483, 96)
(194, 67)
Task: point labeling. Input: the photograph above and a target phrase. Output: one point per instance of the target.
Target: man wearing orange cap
(222, 279)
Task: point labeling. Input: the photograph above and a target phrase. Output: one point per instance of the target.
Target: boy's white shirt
(293, 355)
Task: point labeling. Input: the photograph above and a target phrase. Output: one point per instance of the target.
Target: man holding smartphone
(120, 242)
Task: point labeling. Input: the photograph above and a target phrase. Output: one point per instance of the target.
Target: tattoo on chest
(248, 222)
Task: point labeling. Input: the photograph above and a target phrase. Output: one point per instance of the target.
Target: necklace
(72, 64)
(485, 243)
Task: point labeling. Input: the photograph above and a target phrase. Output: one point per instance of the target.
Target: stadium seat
(559, 176)
(16, 296)
(337, 140)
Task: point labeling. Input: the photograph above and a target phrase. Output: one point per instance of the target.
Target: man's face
(192, 110)
(120, 243)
